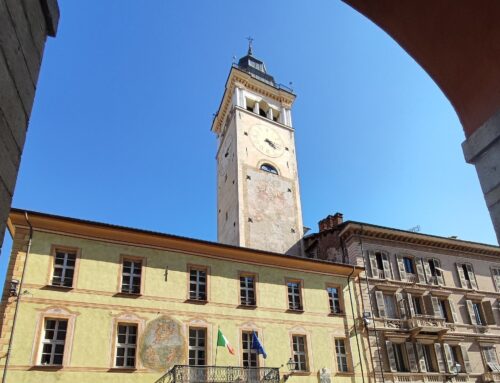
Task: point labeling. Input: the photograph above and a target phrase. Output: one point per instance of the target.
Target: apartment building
(430, 304)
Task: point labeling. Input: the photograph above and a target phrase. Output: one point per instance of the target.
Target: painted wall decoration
(163, 344)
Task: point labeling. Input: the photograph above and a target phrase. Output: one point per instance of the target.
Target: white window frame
(128, 346)
(134, 273)
(294, 295)
(335, 306)
(64, 267)
(53, 342)
(300, 356)
(245, 288)
(196, 347)
(341, 355)
(248, 353)
(198, 285)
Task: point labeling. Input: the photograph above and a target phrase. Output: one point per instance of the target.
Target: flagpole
(216, 345)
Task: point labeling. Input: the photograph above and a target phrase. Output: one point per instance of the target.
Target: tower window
(262, 112)
(269, 168)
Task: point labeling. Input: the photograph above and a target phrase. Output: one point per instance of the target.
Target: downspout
(344, 249)
(371, 309)
(18, 299)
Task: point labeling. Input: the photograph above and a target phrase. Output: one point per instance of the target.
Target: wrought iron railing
(216, 374)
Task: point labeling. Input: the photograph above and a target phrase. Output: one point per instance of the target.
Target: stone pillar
(482, 148)
(256, 108)
(24, 27)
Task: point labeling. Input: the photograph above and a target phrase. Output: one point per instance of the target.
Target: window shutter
(401, 268)
(488, 313)
(411, 356)
(496, 278)
(379, 297)
(410, 304)
(390, 356)
(387, 266)
(461, 275)
(401, 304)
(439, 273)
(373, 264)
(472, 277)
(427, 270)
(470, 309)
(439, 357)
(420, 270)
(465, 357)
(436, 308)
(421, 357)
(453, 310)
(490, 357)
(449, 357)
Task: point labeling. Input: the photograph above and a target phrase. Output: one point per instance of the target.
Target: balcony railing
(412, 278)
(427, 323)
(216, 374)
(429, 377)
(491, 377)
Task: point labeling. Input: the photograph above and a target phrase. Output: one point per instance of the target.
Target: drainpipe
(344, 250)
(18, 299)
(371, 309)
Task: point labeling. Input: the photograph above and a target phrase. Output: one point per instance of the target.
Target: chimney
(330, 222)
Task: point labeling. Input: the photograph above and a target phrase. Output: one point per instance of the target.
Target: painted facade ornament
(163, 344)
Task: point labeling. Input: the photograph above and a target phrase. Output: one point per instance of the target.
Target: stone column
(482, 149)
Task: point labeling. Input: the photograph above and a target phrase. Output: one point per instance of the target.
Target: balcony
(427, 323)
(491, 377)
(428, 377)
(412, 278)
(216, 374)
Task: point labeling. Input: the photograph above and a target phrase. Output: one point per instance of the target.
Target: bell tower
(258, 199)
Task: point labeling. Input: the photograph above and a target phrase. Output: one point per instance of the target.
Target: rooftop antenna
(250, 41)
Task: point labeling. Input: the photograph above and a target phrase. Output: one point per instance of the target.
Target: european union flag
(256, 345)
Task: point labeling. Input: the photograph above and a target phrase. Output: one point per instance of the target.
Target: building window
(64, 268)
(198, 284)
(247, 290)
(429, 364)
(341, 352)
(197, 346)
(250, 357)
(444, 310)
(417, 305)
(433, 272)
(478, 313)
(466, 276)
(399, 358)
(53, 341)
(390, 306)
(299, 352)
(269, 168)
(131, 276)
(456, 354)
(334, 299)
(495, 272)
(294, 298)
(408, 263)
(490, 357)
(126, 344)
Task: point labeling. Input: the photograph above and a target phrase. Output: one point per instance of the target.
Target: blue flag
(256, 345)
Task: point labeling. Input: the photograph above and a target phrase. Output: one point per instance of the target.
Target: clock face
(266, 140)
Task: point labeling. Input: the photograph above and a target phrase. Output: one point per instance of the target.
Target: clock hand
(272, 144)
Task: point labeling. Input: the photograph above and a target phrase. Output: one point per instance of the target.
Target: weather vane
(250, 41)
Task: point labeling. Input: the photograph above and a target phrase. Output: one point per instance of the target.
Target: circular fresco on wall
(163, 344)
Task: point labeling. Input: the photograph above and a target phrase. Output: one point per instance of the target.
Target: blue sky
(120, 129)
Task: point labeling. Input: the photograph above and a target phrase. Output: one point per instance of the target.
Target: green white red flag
(223, 342)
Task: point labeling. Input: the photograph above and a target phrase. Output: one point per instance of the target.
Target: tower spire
(250, 41)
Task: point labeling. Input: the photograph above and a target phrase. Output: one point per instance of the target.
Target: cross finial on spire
(250, 41)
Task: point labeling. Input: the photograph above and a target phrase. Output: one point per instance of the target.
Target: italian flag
(223, 342)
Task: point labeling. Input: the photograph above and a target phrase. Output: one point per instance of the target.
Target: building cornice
(136, 237)
(352, 229)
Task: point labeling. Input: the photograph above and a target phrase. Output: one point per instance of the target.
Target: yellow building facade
(101, 303)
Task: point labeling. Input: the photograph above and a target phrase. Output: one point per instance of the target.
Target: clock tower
(258, 199)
